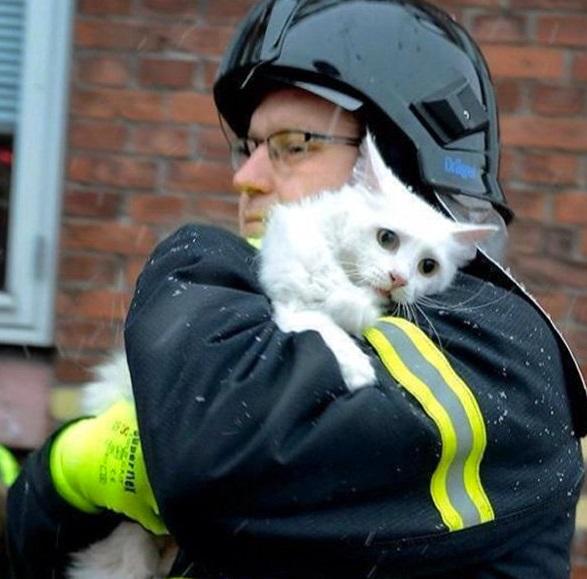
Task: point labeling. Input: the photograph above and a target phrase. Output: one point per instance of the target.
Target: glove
(97, 463)
(9, 467)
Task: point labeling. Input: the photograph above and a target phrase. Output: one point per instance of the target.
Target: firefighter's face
(292, 164)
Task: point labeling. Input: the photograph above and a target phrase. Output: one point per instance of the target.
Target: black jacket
(264, 465)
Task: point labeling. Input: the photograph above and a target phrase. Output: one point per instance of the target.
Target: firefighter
(462, 461)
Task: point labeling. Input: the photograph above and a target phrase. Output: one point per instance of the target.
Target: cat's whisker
(461, 306)
(431, 325)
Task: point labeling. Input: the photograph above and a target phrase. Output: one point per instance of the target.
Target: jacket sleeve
(250, 436)
(42, 529)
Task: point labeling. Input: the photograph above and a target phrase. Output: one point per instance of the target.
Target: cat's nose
(397, 280)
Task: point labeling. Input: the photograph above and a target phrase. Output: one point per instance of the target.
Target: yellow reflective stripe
(416, 363)
(472, 410)
(438, 483)
(455, 382)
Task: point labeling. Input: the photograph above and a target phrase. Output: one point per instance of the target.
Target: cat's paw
(353, 311)
(357, 371)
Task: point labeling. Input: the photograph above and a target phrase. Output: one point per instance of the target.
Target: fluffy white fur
(129, 552)
(324, 270)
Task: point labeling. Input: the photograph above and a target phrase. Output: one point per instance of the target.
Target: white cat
(332, 263)
(335, 262)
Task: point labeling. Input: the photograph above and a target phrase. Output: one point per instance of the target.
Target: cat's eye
(428, 266)
(388, 239)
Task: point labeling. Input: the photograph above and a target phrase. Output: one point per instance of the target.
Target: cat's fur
(324, 270)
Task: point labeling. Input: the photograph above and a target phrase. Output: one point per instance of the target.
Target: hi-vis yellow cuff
(423, 370)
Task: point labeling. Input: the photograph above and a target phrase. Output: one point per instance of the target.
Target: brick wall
(145, 153)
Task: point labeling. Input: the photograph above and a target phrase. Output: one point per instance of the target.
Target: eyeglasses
(286, 147)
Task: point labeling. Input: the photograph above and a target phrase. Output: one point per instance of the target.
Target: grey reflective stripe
(417, 364)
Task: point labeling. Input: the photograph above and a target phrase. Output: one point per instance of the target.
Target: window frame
(27, 306)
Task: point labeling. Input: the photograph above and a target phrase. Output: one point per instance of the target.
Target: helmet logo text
(456, 166)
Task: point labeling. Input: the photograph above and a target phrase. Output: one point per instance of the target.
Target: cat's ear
(467, 235)
(471, 233)
(371, 170)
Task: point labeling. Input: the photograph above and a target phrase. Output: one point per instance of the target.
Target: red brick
(106, 7)
(109, 237)
(579, 571)
(111, 104)
(577, 340)
(161, 141)
(571, 207)
(509, 95)
(97, 136)
(94, 304)
(563, 30)
(580, 67)
(557, 304)
(556, 100)
(449, 3)
(549, 169)
(91, 203)
(191, 107)
(560, 242)
(526, 238)
(110, 170)
(81, 335)
(200, 176)
(508, 166)
(548, 273)
(499, 28)
(198, 40)
(166, 73)
(88, 269)
(524, 61)
(212, 145)
(103, 70)
(111, 35)
(203, 40)
(210, 73)
(158, 208)
(227, 11)
(217, 210)
(580, 309)
(548, 4)
(528, 131)
(172, 7)
(527, 204)
(76, 368)
(134, 266)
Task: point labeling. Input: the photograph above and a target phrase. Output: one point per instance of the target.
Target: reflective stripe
(421, 368)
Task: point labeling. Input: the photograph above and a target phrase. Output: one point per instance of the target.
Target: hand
(97, 463)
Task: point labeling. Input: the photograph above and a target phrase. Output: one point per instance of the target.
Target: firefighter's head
(403, 69)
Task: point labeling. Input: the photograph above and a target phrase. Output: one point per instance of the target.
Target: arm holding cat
(252, 441)
(250, 434)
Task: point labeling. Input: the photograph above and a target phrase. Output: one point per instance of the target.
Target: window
(35, 42)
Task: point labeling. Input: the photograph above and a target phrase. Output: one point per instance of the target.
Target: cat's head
(403, 248)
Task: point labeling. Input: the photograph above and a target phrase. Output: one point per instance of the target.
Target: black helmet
(419, 80)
